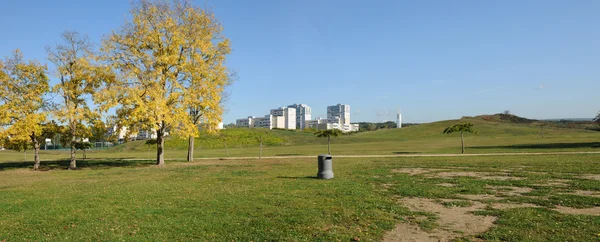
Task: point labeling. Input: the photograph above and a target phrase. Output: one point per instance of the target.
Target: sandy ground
(460, 222)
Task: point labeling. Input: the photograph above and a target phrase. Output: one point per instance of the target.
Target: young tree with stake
(462, 128)
(328, 134)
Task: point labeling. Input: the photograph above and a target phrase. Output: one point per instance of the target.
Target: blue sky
(433, 59)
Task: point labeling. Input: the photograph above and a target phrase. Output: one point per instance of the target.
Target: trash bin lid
(325, 156)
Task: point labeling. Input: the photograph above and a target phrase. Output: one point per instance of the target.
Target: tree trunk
(329, 145)
(190, 156)
(36, 155)
(462, 142)
(73, 164)
(160, 144)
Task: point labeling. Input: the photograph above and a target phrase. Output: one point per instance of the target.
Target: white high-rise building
(289, 117)
(399, 119)
(339, 113)
(303, 113)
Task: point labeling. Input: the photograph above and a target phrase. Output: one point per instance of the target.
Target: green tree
(462, 128)
(597, 118)
(371, 127)
(83, 146)
(328, 134)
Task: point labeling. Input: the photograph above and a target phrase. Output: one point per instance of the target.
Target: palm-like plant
(462, 128)
(328, 133)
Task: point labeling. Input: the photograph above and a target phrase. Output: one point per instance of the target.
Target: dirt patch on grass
(387, 185)
(453, 222)
(480, 197)
(503, 206)
(554, 183)
(415, 171)
(585, 193)
(595, 211)
(503, 176)
(509, 191)
(446, 185)
(591, 177)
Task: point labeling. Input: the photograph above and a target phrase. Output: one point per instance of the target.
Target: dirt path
(399, 155)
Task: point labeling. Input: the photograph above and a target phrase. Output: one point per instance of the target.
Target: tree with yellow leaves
(23, 109)
(79, 76)
(170, 64)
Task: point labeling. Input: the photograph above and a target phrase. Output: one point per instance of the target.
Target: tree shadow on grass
(405, 153)
(544, 146)
(93, 164)
(298, 177)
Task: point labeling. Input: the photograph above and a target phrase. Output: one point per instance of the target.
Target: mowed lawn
(279, 199)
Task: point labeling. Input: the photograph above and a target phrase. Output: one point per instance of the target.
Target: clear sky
(433, 59)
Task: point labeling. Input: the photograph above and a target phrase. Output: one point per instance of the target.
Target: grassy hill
(493, 136)
(495, 131)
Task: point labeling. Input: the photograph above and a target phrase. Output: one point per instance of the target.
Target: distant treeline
(367, 126)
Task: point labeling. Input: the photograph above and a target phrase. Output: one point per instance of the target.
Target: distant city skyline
(537, 58)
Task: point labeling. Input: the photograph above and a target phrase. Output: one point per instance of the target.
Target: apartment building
(303, 113)
(339, 113)
(289, 117)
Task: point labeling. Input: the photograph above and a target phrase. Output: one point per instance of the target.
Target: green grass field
(275, 199)
(118, 194)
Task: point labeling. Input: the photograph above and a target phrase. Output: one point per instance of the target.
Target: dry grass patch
(591, 177)
(453, 222)
(415, 171)
(554, 183)
(480, 197)
(509, 190)
(595, 211)
(585, 193)
(502, 176)
(503, 206)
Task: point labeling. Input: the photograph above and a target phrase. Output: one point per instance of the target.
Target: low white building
(343, 127)
(146, 134)
(245, 122)
(264, 122)
(317, 124)
(120, 134)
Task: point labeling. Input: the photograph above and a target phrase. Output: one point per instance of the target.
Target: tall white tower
(399, 119)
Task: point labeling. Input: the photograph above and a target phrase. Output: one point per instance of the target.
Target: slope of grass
(491, 137)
